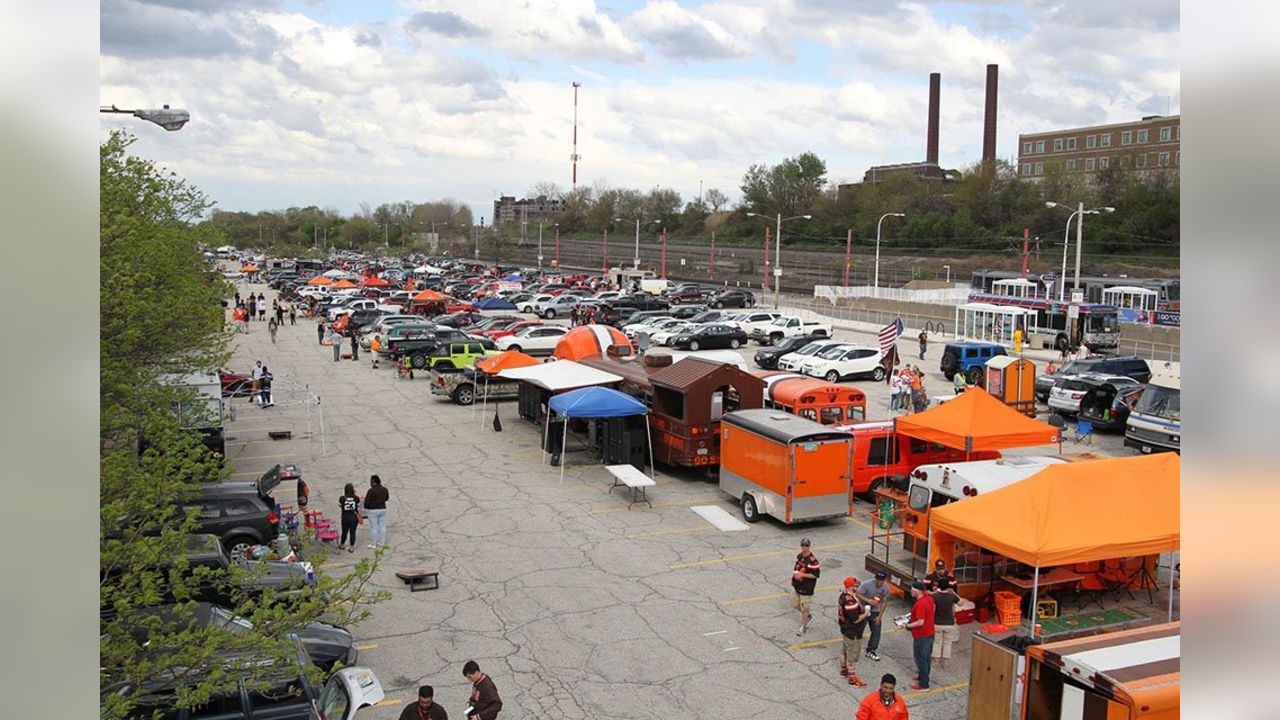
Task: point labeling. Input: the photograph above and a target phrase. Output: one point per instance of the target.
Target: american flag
(889, 335)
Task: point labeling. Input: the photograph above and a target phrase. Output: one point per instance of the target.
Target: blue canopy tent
(595, 402)
(514, 276)
(494, 303)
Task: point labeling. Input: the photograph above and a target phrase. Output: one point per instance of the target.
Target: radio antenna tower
(574, 156)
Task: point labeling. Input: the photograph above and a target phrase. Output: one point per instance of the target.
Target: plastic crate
(1008, 607)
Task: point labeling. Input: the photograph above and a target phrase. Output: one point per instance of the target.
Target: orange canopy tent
(495, 364)
(427, 296)
(320, 280)
(373, 281)
(1072, 513)
(977, 421)
(249, 268)
(343, 284)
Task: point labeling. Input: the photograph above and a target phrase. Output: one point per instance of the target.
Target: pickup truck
(467, 386)
(788, 326)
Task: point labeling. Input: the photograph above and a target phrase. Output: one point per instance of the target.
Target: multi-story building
(509, 209)
(1148, 145)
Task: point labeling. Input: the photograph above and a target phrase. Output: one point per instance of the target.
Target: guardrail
(935, 296)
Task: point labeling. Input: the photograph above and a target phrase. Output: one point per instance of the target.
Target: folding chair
(1091, 588)
(1116, 578)
(1084, 431)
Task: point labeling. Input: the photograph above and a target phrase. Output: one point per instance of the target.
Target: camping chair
(1091, 588)
(1084, 431)
(1116, 578)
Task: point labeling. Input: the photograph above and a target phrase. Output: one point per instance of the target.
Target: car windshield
(1160, 402)
(811, 348)
(524, 331)
(334, 700)
(781, 322)
(222, 618)
(833, 352)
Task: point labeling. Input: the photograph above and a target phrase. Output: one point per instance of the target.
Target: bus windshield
(1160, 402)
(1102, 323)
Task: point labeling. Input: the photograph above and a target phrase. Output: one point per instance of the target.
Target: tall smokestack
(989, 119)
(931, 143)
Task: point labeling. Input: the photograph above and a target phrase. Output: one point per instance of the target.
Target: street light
(540, 221)
(1066, 234)
(637, 257)
(948, 267)
(777, 258)
(165, 117)
(875, 291)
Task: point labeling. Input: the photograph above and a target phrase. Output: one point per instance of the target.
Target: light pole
(540, 245)
(166, 117)
(1066, 234)
(478, 238)
(948, 269)
(557, 247)
(875, 289)
(636, 260)
(777, 245)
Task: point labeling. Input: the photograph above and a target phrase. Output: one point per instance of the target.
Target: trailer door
(820, 477)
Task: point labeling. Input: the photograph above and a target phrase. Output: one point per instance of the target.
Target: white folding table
(634, 480)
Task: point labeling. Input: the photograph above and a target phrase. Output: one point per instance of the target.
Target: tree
(161, 313)
(716, 199)
(790, 187)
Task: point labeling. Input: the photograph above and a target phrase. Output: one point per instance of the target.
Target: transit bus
(1155, 423)
(1098, 327)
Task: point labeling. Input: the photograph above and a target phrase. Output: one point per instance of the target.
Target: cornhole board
(420, 579)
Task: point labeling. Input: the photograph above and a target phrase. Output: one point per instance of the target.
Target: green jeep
(453, 356)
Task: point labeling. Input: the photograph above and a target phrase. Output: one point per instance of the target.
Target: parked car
(747, 322)
(420, 347)
(687, 293)
(471, 384)
(1130, 366)
(241, 514)
(206, 550)
(791, 361)
(968, 358)
(686, 312)
(462, 319)
(531, 305)
(235, 384)
(767, 358)
(648, 325)
(641, 301)
(788, 326)
(667, 332)
(1065, 395)
(1107, 406)
(843, 362)
(705, 316)
(732, 297)
(615, 316)
(538, 340)
(559, 305)
(455, 355)
(708, 337)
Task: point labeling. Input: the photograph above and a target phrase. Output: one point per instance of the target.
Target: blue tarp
(513, 276)
(596, 402)
(494, 303)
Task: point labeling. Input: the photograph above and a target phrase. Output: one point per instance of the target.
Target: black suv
(641, 301)
(242, 513)
(733, 297)
(767, 358)
(420, 347)
(1130, 366)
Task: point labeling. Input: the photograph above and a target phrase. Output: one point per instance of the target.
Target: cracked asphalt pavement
(576, 606)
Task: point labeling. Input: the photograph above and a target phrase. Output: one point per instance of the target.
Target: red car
(511, 329)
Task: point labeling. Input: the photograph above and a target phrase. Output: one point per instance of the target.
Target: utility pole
(848, 250)
(557, 247)
(575, 157)
(765, 285)
(664, 253)
(1026, 249)
(540, 244)
(605, 271)
(713, 254)
(478, 238)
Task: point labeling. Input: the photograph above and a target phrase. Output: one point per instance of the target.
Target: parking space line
(655, 533)
(261, 457)
(387, 702)
(833, 641)
(656, 506)
(753, 556)
(368, 646)
(930, 691)
(772, 596)
(714, 632)
(856, 521)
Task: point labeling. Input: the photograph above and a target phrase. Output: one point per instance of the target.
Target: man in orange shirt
(883, 704)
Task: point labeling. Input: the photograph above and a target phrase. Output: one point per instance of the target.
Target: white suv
(839, 362)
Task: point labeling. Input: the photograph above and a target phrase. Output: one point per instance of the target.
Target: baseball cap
(917, 585)
(804, 542)
(850, 582)
(940, 563)
(880, 575)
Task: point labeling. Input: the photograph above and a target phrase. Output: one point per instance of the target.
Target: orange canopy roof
(1075, 512)
(428, 295)
(343, 284)
(977, 421)
(320, 280)
(249, 268)
(590, 341)
(374, 281)
(507, 360)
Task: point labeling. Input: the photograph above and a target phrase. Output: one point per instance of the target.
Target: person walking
(355, 347)
(946, 633)
(272, 327)
(336, 341)
(279, 311)
(804, 578)
(293, 313)
(375, 503)
(923, 337)
(425, 708)
(884, 703)
(255, 376)
(241, 316)
(320, 333)
(959, 382)
(922, 632)
(349, 504)
(851, 616)
(262, 307)
(875, 593)
(264, 393)
(485, 703)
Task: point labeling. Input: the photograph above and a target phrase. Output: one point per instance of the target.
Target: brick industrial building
(1150, 144)
(509, 209)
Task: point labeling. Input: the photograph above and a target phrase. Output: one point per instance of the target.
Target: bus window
(809, 413)
(918, 499)
(831, 416)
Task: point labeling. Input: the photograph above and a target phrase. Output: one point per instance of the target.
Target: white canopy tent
(558, 376)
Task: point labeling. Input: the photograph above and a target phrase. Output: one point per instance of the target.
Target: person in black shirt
(944, 621)
(425, 708)
(935, 578)
(349, 503)
(804, 578)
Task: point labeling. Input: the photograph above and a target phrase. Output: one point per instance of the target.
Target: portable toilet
(1012, 380)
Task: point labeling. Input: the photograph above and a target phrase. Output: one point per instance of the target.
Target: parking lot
(577, 606)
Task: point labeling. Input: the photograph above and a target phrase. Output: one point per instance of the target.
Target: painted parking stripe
(368, 646)
(833, 641)
(720, 518)
(753, 556)
(673, 531)
(772, 596)
(714, 632)
(261, 457)
(932, 690)
(387, 703)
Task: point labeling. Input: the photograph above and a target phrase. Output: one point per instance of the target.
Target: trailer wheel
(750, 512)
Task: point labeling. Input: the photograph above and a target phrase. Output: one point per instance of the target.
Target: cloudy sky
(299, 102)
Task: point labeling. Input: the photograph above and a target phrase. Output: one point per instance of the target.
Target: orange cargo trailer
(776, 463)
